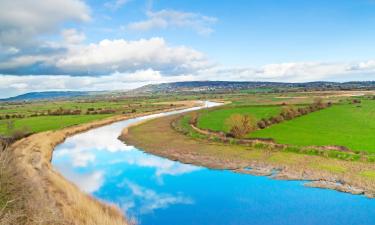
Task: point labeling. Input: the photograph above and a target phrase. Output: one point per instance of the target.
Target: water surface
(156, 190)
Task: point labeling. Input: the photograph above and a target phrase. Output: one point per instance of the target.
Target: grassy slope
(215, 119)
(44, 123)
(345, 125)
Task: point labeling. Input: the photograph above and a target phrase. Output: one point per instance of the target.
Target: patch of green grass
(183, 125)
(368, 174)
(345, 125)
(215, 119)
(330, 168)
(44, 123)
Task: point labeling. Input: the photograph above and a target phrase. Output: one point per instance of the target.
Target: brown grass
(16, 194)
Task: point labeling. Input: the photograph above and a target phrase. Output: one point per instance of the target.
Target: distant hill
(207, 86)
(47, 95)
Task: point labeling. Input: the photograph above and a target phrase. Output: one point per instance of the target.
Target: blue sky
(257, 32)
(122, 44)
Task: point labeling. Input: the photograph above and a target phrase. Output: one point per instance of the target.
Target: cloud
(87, 182)
(171, 18)
(72, 36)
(284, 72)
(106, 57)
(122, 55)
(116, 4)
(147, 200)
(22, 20)
(297, 72)
(11, 85)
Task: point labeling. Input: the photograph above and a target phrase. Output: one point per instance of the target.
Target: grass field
(215, 119)
(36, 116)
(43, 123)
(346, 124)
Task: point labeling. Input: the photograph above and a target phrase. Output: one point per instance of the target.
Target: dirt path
(159, 138)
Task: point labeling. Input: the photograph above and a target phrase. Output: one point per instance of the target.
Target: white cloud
(22, 20)
(11, 85)
(297, 72)
(121, 55)
(147, 200)
(87, 182)
(116, 4)
(285, 72)
(171, 18)
(106, 57)
(72, 36)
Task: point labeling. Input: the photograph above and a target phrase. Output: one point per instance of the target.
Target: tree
(240, 125)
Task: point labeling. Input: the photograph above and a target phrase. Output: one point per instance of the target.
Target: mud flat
(159, 138)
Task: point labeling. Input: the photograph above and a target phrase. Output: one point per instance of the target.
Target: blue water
(154, 190)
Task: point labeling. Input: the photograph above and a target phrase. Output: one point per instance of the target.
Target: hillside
(49, 95)
(202, 86)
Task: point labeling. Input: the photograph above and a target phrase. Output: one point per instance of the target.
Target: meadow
(345, 124)
(44, 123)
(215, 119)
(38, 116)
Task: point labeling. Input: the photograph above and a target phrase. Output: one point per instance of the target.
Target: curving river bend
(155, 190)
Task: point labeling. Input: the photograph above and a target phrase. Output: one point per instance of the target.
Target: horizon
(125, 90)
(112, 45)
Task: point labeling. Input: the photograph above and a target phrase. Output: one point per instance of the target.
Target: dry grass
(17, 205)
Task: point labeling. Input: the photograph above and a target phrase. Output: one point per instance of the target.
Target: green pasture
(215, 119)
(349, 125)
(44, 123)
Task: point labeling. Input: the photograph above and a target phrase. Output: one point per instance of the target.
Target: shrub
(261, 124)
(356, 101)
(240, 125)
(289, 113)
(193, 118)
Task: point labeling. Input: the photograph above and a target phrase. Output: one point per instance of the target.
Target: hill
(47, 95)
(209, 86)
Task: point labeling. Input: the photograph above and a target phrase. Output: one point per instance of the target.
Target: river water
(158, 191)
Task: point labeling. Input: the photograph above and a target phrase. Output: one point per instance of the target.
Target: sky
(122, 44)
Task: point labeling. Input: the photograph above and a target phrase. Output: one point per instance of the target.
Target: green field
(215, 119)
(346, 124)
(43, 123)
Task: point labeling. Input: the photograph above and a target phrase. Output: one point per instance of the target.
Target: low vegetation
(17, 195)
(240, 125)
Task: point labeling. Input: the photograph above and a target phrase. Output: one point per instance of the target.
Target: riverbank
(159, 138)
(31, 158)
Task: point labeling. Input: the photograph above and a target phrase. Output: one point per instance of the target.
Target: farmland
(44, 123)
(215, 119)
(345, 124)
(37, 116)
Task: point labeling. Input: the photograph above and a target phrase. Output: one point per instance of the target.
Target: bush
(261, 124)
(193, 118)
(289, 113)
(240, 125)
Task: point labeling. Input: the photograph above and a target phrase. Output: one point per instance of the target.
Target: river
(158, 191)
